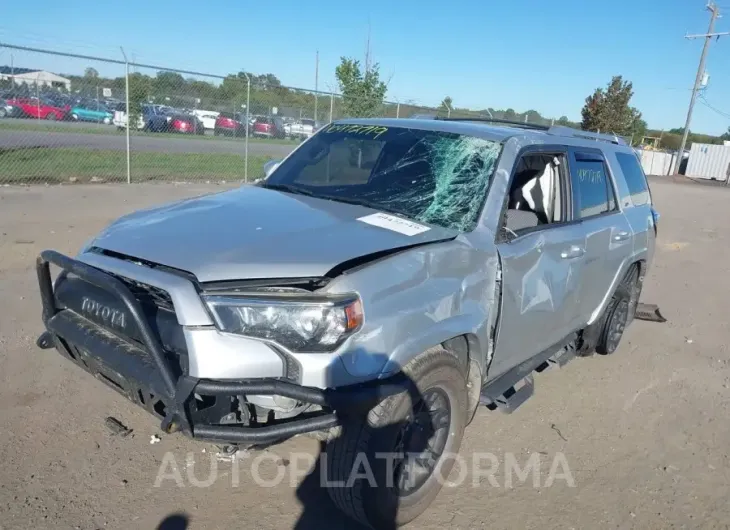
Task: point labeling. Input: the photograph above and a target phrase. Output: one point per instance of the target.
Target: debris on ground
(649, 312)
(230, 453)
(117, 427)
(154, 439)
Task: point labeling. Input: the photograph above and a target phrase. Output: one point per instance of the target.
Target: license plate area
(135, 391)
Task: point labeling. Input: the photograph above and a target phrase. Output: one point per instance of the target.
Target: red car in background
(230, 124)
(43, 109)
(185, 124)
(268, 127)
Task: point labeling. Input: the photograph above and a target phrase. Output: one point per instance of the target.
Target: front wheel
(51, 116)
(387, 467)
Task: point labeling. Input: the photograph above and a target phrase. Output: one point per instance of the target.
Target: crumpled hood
(254, 232)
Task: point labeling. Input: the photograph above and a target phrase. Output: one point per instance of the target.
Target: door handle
(573, 252)
(621, 236)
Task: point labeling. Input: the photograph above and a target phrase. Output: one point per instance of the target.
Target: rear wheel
(51, 116)
(620, 312)
(407, 443)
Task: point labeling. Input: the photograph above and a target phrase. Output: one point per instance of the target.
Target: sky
(521, 54)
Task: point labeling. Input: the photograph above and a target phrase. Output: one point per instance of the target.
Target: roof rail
(520, 124)
(561, 130)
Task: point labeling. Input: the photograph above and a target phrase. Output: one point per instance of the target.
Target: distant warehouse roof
(33, 76)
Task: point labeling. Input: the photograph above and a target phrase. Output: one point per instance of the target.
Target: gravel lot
(645, 432)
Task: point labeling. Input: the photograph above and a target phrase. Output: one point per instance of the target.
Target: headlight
(300, 323)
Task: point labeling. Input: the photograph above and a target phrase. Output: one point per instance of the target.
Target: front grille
(148, 295)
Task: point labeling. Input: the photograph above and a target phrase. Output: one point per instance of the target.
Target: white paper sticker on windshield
(396, 224)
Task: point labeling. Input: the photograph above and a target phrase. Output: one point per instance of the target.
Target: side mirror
(270, 166)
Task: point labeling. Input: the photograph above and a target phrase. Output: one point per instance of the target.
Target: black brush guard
(144, 373)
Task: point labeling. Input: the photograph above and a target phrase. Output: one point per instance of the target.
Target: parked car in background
(208, 117)
(91, 111)
(268, 127)
(230, 124)
(9, 111)
(153, 118)
(40, 108)
(184, 123)
(301, 129)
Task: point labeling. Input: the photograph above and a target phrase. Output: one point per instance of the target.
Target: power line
(707, 104)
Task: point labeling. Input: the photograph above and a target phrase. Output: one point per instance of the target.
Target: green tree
(563, 120)
(140, 87)
(168, 84)
(91, 73)
(639, 129)
(446, 105)
(608, 110)
(362, 93)
(725, 135)
(510, 115)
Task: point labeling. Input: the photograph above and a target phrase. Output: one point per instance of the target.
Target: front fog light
(300, 323)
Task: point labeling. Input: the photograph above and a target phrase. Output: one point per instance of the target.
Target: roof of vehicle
(500, 131)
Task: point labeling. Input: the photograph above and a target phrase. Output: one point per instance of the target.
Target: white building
(27, 76)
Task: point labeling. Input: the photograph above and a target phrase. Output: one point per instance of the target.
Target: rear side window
(635, 178)
(592, 190)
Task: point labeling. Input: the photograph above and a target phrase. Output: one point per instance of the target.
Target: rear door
(608, 234)
(636, 202)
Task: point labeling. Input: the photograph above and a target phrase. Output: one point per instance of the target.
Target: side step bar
(513, 388)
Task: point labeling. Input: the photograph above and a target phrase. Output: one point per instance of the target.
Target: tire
(74, 117)
(106, 121)
(51, 116)
(619, 312)
(388, 428)
(3, 112)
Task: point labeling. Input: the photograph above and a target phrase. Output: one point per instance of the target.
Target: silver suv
(381, 282)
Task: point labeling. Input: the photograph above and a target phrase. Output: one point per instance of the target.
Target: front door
(541, 277)
(542, 266)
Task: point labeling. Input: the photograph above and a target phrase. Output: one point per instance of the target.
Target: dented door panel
(609, 243)
(541, 275)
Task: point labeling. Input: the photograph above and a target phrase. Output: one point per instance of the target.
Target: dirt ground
(645, 432)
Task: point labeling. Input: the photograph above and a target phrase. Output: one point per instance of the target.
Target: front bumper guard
(145, 374)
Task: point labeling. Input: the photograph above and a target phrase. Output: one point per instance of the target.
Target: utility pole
(316, 86)
(714, 13)
(367, 51)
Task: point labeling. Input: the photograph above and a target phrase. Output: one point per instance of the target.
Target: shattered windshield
(428, 176)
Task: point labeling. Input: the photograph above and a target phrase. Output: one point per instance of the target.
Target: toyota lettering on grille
(111, 317)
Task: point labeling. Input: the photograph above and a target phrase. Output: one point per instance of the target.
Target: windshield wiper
(361, 202)
(290, 189)
(335, 198)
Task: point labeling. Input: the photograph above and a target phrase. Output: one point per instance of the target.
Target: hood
(253, 232)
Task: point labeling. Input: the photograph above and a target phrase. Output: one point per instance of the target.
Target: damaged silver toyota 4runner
(381, 282)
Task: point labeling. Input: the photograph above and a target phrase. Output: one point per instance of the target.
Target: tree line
(362, 94)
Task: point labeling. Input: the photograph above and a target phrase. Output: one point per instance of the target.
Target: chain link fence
(68, 118)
